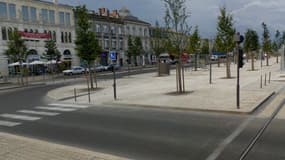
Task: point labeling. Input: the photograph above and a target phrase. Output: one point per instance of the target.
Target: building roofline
(51, 3)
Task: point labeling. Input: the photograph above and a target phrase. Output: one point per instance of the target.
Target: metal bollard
(269, 77)
(75, 96)
(261, 81)
(265, 80)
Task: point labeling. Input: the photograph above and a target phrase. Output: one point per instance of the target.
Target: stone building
(38, 21)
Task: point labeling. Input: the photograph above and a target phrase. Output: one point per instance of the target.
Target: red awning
(35, 35)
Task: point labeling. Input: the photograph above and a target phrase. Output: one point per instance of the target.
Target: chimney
(100, 12)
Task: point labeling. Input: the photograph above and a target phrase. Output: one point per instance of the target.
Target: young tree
(277, 44)
(130, 49)
(194, 45)
(225, 37)
(17, 51)
(205, 47)
(158, 40)
(51, 52)
(158, 43)
(138, 49)
(251, 45)
(87, 45)
(176, 23)
(266, 42)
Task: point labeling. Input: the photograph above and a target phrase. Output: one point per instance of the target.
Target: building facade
(38, 21)
(113, 29)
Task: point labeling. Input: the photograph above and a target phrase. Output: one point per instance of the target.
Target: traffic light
(240, 58)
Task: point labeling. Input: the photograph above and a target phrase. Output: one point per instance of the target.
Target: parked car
(99, 68)
(110, 66)
(74, 70)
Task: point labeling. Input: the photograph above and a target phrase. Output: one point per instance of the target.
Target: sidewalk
(19, 148)
(148, 90)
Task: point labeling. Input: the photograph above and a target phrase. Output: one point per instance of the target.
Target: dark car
(110, 67)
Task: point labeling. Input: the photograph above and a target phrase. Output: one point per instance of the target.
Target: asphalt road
(140, 133)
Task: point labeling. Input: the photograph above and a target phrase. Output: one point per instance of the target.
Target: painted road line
(38, 112)
(9, 123)
(57, 109)
(20, 117)
(68, 105)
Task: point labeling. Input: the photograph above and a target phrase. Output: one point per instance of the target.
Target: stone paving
(149, 90)
(18, 148)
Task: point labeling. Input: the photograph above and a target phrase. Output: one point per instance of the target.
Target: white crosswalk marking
(68, 105)
(20, 117)
(9, 123)
(38, 112)
(57, 109)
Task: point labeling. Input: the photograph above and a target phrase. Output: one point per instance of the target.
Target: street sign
(113, 55)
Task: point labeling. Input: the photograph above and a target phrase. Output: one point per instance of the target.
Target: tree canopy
(87, 45)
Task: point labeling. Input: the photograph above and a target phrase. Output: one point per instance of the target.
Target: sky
(204, 13)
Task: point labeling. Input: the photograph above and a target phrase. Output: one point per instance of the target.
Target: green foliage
(176, 24)
(225, 36)
(194, 42)
(138, 48)
(251, 42)
(52, 52)
(17, 50)
(131, 48)
(277, 43)
(266, 42)
(87, 45)
(158, 40)
(205, 47)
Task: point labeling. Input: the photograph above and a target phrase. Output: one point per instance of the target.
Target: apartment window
(44, 15)
(51, 17)
(121, 44)
(54, 36)
(25, 13)
(12, 11)
(120, 30)
(113, 30)
(98, 28)
(4, 33)
(67, 17)
(33, 14)
(106, 43)
(70, 37)
(145, 32)
(3, 9)
(61, 18)
(105, 28)
(10, 31)
(114, 44)
(128, 30)
(134, 31)
(62, 37)
(140, 30)
(66, 37)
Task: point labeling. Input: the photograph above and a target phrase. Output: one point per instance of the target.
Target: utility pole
(238, 39)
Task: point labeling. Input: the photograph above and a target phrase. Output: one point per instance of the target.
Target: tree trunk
(228, 66)
(252, 61)
(90, 77)
(22, 72)
(179, 77)
(267, 59)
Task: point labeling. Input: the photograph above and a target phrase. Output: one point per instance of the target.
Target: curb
(25, 86)
(190, 109)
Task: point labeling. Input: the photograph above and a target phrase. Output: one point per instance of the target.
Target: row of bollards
(265, 79)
